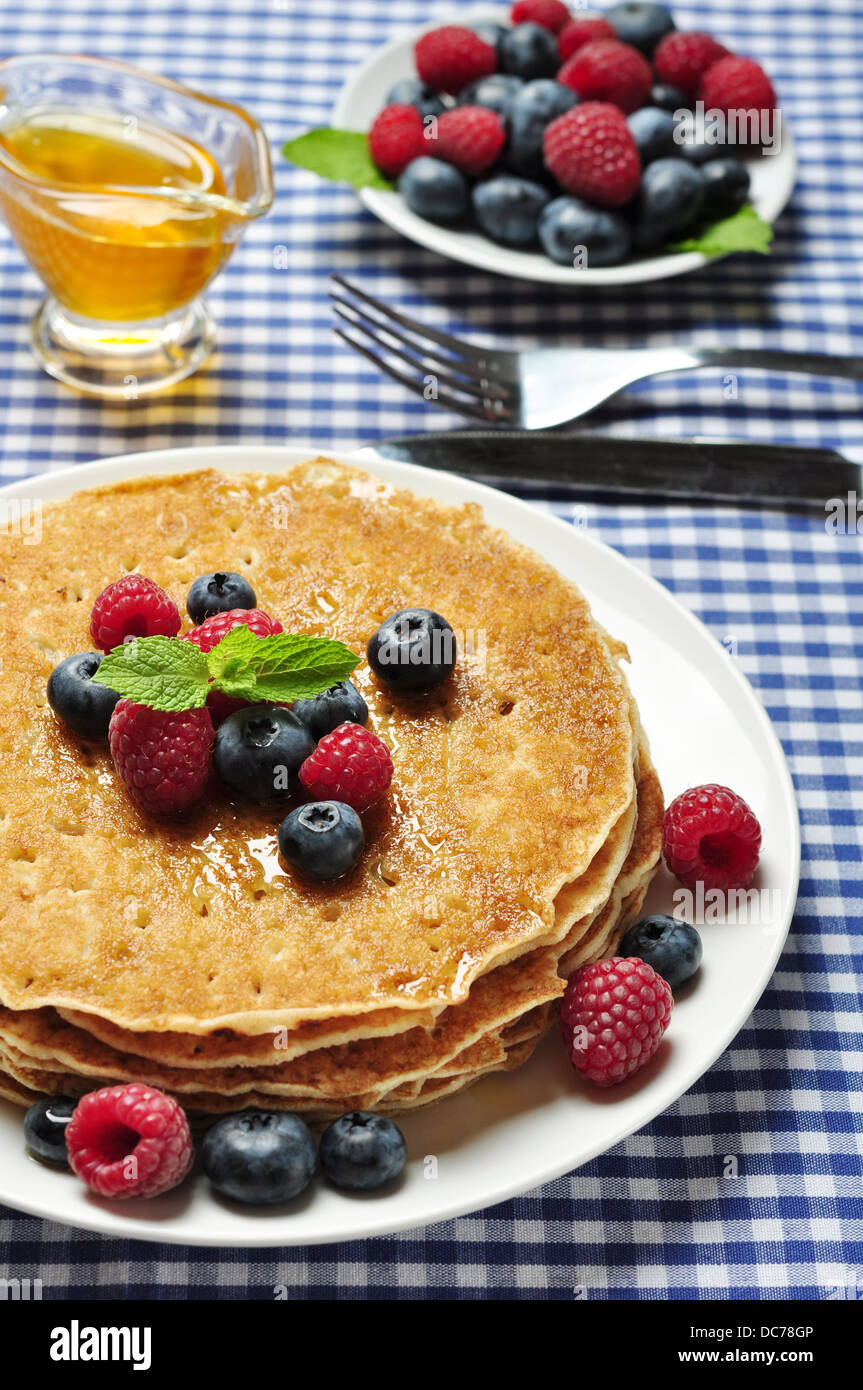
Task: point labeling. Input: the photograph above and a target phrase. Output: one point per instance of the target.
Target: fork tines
(447, 371)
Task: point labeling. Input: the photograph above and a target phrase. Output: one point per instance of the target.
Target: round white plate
(364, 94)
(513, 1132)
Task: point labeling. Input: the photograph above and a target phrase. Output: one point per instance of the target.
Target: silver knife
(698, 468)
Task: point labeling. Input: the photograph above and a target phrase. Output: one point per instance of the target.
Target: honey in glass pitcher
(127, 194)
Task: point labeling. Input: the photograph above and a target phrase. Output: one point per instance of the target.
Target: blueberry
(727, 187)
(259, 1156)
(673, 948)
(528, 51)
(323, 839)
(341, 704)
(507, 208)
(642, 25)
(434, 190)
(84, 707)
(362, 1151)
(496, 93)
(671, 196)
(489, 32)
(411, 92)
(569, 223)
(533, 108)
(219, 593)
(414, 649)
(653, 132)
(45, 1129)
(699, 152)
(669, 98)
(259, 750)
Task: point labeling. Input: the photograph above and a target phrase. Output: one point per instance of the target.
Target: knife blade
(699, 468)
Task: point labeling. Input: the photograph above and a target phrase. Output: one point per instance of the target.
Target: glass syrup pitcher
(127, 194)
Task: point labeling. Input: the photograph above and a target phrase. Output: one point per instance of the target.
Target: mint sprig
(339, 155)
(744, 231)
(169, 674)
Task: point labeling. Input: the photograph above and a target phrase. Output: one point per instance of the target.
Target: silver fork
(539, 387)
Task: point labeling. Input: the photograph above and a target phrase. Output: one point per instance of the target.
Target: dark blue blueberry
(496, 93)
(727, 187)
(653, 132)
(568, 224)
(45, 1129)
(82, 706)
(507, 208)
(670, 199)
(259, 1157)
(258, 752)
(673, 948)
(323, 839)
(411, 92)
(414, 649)
(362, 1151)
(669, 98)
(534, 107)
(641, 24)
(219, 593)
(700, 152)
(434, 190)
(528, 51)
(341, 704)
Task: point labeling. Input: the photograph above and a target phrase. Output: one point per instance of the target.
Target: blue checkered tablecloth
(654, 1218)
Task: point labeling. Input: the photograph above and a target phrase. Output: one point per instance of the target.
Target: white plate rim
(271, 1230)
(485, 255)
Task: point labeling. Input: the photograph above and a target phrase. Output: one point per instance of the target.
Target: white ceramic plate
(513, 1132)
(363, 96)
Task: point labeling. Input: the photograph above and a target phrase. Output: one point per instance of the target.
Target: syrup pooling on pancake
(489, 816)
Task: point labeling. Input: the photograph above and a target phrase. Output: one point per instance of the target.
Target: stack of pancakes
(517, 842)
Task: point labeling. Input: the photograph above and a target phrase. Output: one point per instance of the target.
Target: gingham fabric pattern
(655, 1218)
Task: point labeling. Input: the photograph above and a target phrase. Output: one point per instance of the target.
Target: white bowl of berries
(570, 149)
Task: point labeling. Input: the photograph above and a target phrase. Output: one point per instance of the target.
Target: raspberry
(577, 32)
(470, 137)
(613, 1016)
(591, 152)
(129, 1141)
(163, 758)
(210, 633)
(609, 71)
(681, 59)
(711, 836)
(396, 137)
(133, 606)
(737, 84)
(548, 14)
(449, 58)
(351, 764)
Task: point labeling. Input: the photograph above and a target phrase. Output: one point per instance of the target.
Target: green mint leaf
(745, 231)
(164, 673)
(286, 666)
(340, 155)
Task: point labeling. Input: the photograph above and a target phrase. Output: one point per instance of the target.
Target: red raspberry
(133, 606)
(738, 84)
(210, 634)
(577, 32)
(681, 59)
(609, 71)
(470, 137)
(591, 152)
(711, 836)
(163, 758)
(449, 58)
(396, 137)
(548, 14)
(351, 764)
(129, 1141)
(613, 1016)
